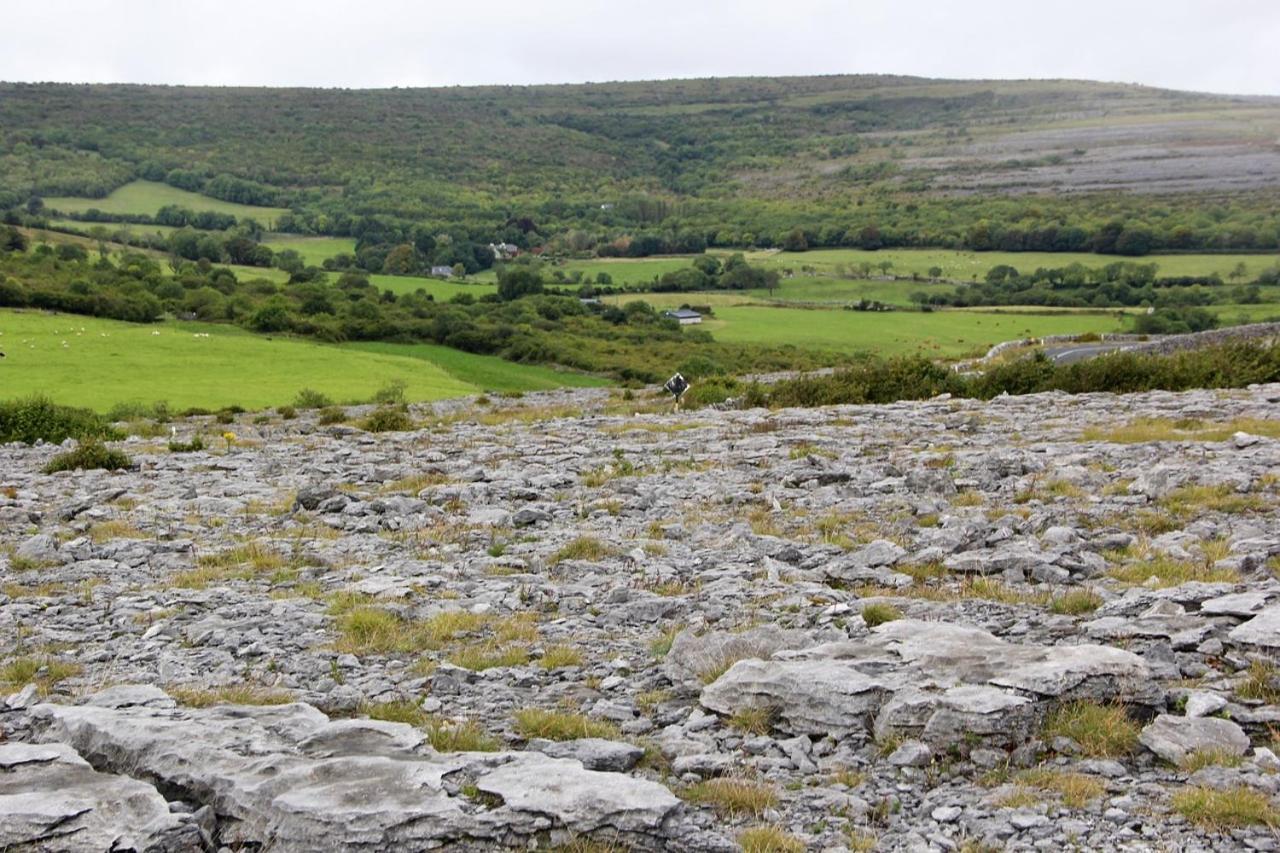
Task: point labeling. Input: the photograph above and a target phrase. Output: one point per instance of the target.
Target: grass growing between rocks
(1076, 789)
(755, 721)
(1203, 758)
(879, 613)
(769, 839)
(1190, 501)
(244, 562)
(732, 797)
(1101, 731)
(1260, 683)
(1217, 810)
(443, 735)
(1170, 572)
(46, 673)
(1075, 603)
(230, 694)
(583, 548)
(562, 725)
(1143, 430)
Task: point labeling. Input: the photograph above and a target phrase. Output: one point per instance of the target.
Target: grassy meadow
(147, 197)
(970, 266)
(105, 362)
(958, 265)
(314, 250)
(940, 333)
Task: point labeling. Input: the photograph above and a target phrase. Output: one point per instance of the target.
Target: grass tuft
(1216, 810)
(1102, 731)
(769, 839)
(562, 725)
(730, 796)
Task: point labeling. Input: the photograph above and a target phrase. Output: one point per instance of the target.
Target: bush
(288, 413)
(40, 419)
(388, 419)
(332, 415)
(193, 446)
(309, 398)
(390, 394)
(90, 455)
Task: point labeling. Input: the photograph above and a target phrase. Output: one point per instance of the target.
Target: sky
(1224, 46)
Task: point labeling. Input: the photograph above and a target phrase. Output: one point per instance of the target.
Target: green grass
(111, 362)
(1101, 731)
(967, 266)
(441, 289)
(939, 333)
(487, 372)
(314, 250)
(147, 197)
(1217, 810)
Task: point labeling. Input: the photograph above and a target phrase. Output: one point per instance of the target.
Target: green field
(969, 266)
(147, 197)
(827, 264)
(939, 333)
(485, 371)
(105, 362)
(112, 228)
(441, 289)
(314, 250)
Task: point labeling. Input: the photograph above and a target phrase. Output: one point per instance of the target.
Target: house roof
(684, 314)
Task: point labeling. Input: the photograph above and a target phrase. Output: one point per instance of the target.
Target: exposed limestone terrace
(550, 623)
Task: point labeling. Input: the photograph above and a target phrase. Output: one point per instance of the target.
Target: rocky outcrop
(943, 684)
(289, 778)
(869, 612)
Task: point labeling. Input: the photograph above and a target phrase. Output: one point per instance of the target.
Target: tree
(515, 281)
(402, 260)
(935, 272)
(795, 241)
(1239, 271)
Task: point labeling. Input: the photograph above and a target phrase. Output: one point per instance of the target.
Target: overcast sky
(1206, 45)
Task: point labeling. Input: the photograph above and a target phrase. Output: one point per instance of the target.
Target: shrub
(387, 419)
(288, 413)
(309, 398)
(390, 394)
(40, 419)
(90, 455)
(332, 415)
(195, 445)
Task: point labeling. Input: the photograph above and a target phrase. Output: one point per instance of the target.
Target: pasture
(484, 371)
(105, 362)
(147, 197)
(314, 250)
(939, 333)
(971, 266)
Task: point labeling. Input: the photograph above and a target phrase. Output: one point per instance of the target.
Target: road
(1071, 353)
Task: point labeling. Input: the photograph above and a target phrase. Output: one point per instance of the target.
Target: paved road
(1070, 353)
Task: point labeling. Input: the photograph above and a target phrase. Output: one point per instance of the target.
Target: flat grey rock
(1176, 738)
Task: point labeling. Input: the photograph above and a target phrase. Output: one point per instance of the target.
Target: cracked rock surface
(573, 619)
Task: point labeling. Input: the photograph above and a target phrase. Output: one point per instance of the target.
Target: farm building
(442, 272)
(685, 316)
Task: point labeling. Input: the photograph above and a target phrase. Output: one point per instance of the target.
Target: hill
(860, 161)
